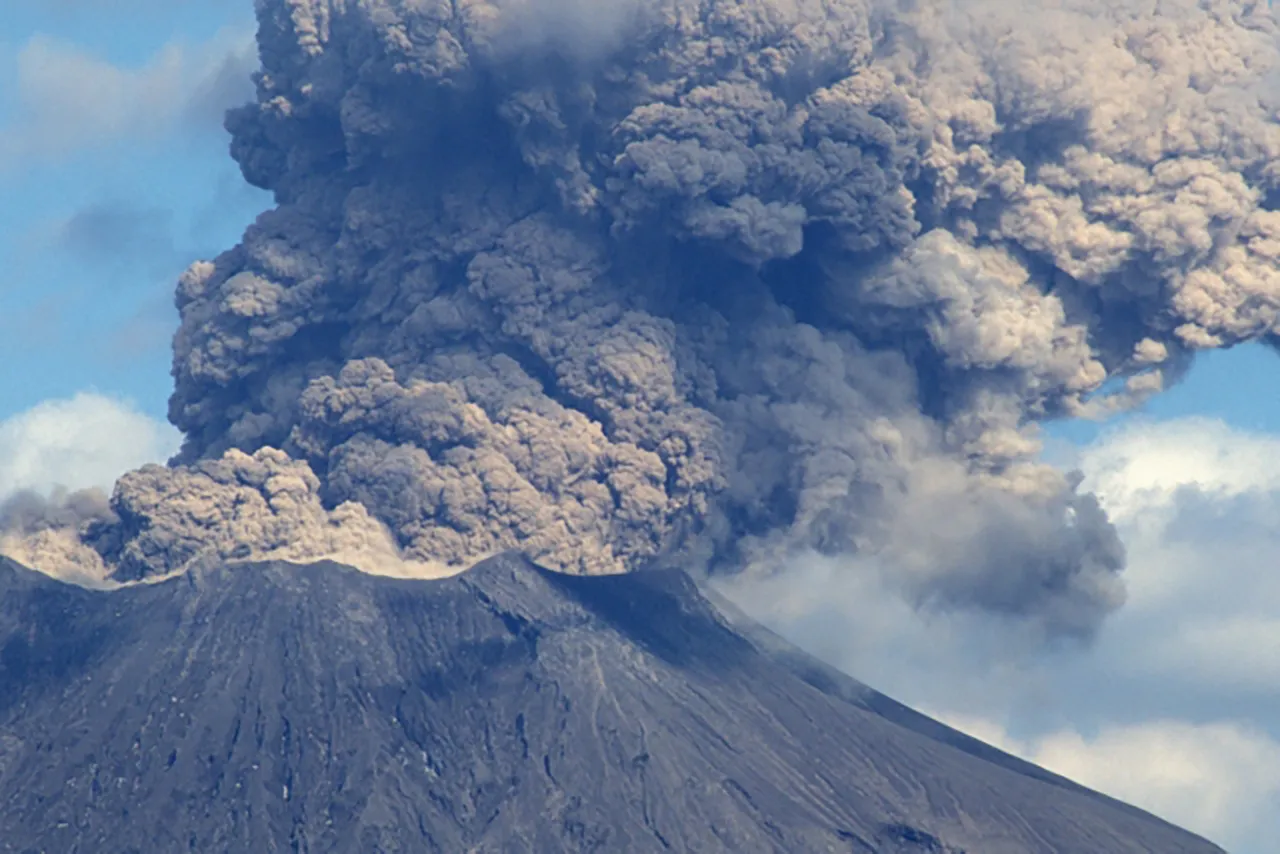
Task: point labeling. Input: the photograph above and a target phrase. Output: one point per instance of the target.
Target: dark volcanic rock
(264, 708)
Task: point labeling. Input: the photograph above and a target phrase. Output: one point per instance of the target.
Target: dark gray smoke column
(730, 279)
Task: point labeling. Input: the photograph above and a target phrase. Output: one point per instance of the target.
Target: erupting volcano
(704, 284)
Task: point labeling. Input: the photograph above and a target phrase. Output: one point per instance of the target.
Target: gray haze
(718, 281)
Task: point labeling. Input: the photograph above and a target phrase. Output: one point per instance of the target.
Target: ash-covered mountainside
(271, 707)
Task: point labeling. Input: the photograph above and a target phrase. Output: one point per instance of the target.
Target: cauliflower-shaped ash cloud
(720, 281)
(163, 519)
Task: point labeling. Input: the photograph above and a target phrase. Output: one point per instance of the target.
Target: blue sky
(113, 165)
(115, 176)
(1237, 386)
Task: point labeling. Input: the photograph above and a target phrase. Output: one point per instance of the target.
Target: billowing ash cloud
(163, 519)
(722, 279)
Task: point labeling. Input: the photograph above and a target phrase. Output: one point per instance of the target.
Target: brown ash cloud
(715, 281)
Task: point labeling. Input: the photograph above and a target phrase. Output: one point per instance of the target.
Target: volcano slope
(272, 707)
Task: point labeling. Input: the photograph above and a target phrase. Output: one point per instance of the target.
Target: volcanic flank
(270, 707)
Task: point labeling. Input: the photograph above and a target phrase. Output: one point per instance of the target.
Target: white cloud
(1174, 706)
(86, 441)
(69, 100)
(1139, 468)
(116, 6)
(1219, 779)
(1198, 504)
(852, 614)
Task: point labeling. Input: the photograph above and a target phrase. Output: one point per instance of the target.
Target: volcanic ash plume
(719, 279)
(264, 506)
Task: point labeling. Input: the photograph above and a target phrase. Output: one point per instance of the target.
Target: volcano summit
(278, 708)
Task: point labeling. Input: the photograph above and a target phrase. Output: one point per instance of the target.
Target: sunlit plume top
(715, 282)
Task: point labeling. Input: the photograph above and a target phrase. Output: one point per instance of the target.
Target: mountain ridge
(275, 707)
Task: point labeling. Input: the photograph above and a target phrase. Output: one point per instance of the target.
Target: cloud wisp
(68, 101)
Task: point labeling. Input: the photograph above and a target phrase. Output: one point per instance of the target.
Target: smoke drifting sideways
(711, 281)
